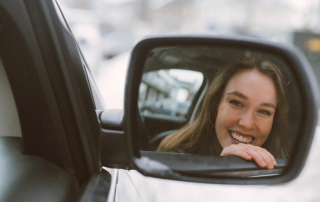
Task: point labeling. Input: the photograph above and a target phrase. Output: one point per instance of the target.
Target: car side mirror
(169, 67)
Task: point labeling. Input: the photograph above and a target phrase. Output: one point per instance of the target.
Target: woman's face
(246, 109)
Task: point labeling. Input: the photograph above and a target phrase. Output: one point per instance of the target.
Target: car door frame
(52, 95)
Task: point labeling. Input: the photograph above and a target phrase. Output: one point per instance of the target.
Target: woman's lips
(240, 138)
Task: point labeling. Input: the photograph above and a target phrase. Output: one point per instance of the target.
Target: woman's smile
(240, 138)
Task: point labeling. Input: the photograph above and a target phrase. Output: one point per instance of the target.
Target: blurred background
(107, 30)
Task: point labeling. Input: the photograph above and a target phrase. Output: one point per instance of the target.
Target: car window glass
(168, 92)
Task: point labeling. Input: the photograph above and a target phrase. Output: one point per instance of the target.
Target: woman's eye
(265, 112)
(236, 103)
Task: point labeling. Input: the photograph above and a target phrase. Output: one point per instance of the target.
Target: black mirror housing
(155, 164)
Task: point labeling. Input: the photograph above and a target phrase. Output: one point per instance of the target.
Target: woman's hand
(247, 151)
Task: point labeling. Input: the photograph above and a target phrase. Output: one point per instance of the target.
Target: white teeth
(241, 139)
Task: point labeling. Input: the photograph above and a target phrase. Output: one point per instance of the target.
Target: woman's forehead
(253, 85)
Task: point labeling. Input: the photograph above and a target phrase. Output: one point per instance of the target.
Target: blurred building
(158, 85)
(309, 44)
(122, 23)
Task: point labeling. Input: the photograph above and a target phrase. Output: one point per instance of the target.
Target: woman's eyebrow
(269, 105)
(236, 93)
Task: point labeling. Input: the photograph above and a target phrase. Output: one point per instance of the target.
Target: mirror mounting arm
(112, 119)
(113, 149)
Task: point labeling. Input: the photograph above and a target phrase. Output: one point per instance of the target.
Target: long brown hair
(200, 136)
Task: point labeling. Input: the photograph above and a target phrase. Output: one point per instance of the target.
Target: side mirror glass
(193, 103)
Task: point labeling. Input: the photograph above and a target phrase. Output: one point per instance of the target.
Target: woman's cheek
(265, 129)
(225, 119)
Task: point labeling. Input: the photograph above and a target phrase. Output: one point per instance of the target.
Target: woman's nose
(247, 121)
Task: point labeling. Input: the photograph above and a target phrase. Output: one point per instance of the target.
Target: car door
(57, 157)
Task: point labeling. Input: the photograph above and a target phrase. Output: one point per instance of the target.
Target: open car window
(169, 93)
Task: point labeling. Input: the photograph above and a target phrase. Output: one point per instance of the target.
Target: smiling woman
(244, 114)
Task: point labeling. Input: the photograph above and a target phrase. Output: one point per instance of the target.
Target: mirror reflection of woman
(244, 114)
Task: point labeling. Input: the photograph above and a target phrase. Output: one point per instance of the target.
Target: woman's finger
(266, 158)
(261, 156)
(272, 157)
(256, 156)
